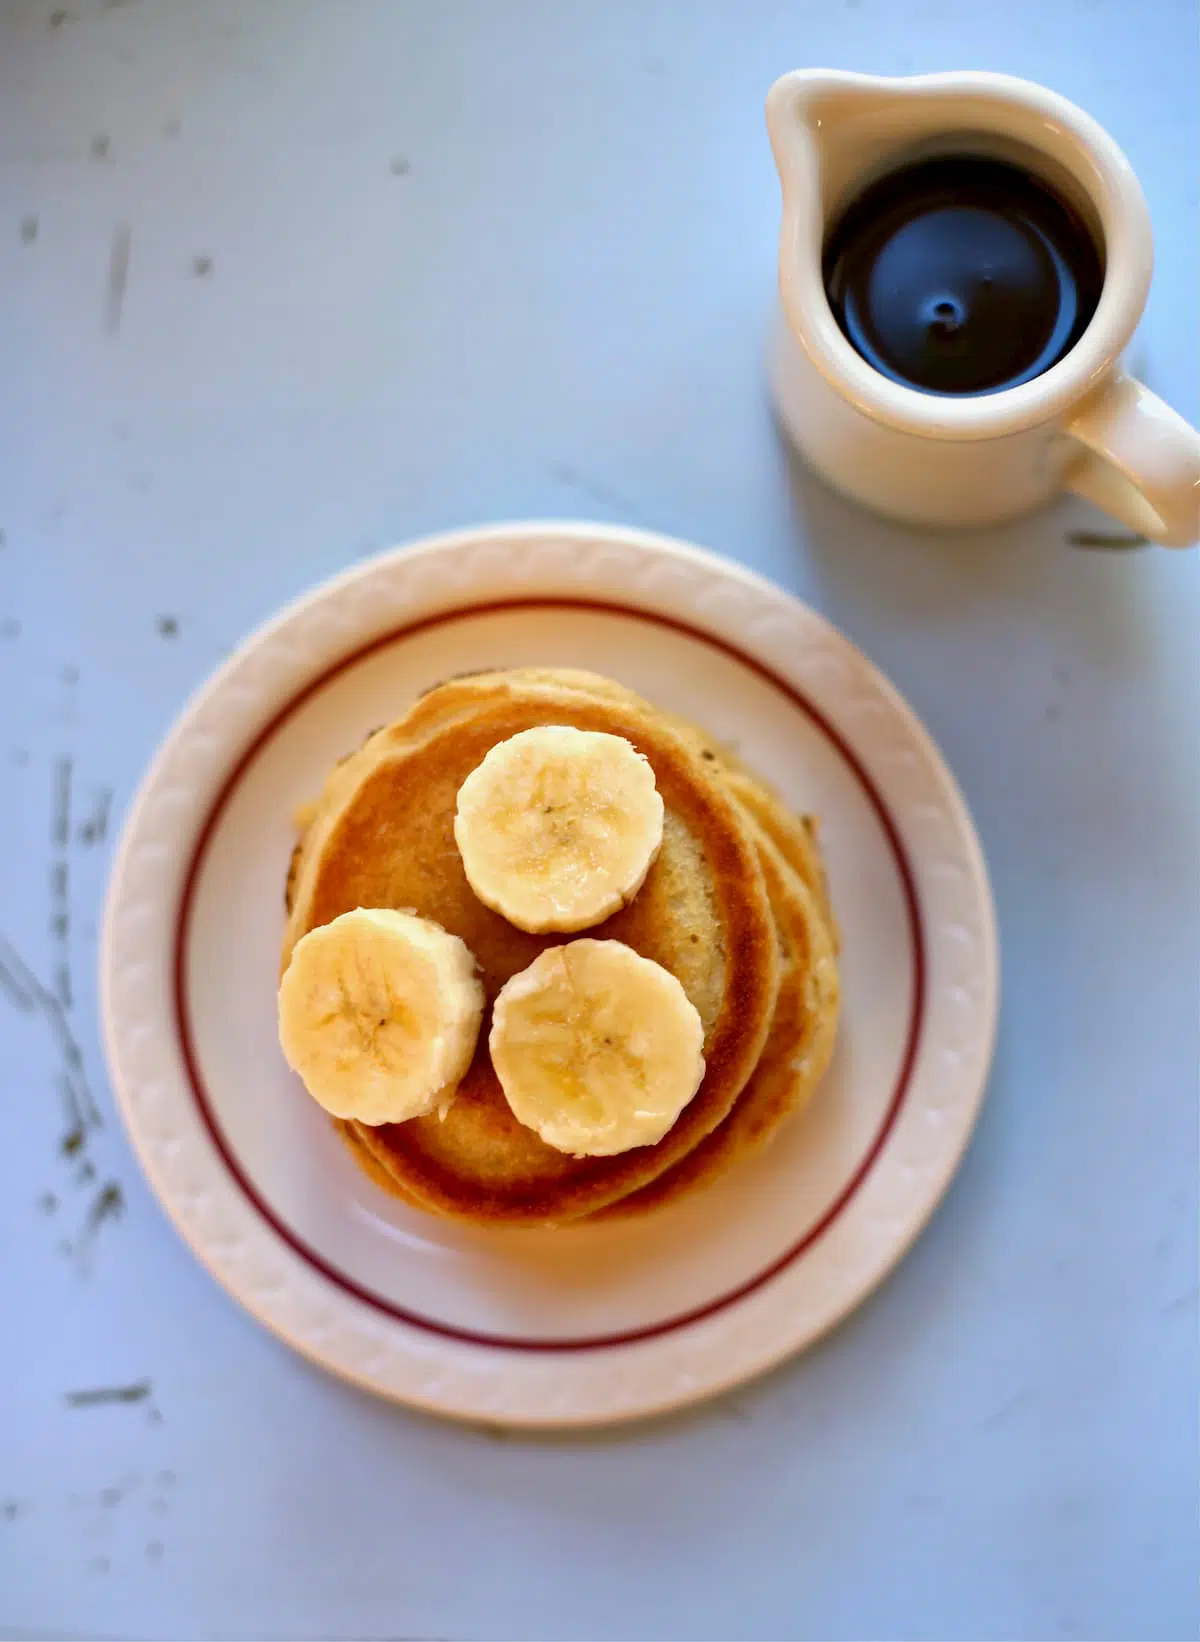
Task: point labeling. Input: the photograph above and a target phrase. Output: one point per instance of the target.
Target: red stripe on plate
(667, 1325)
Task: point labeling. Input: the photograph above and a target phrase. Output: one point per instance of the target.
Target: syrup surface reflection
(961, 275)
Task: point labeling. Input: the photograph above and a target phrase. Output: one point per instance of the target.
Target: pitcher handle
(1139, 460)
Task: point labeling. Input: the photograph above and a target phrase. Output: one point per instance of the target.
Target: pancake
(794, 1058)
(794, 836)
(804, 1028)
(373, 1170)
(382, 835)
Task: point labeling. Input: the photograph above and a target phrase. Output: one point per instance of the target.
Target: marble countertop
(286, 282)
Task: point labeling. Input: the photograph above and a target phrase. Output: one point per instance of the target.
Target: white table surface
(285, 282)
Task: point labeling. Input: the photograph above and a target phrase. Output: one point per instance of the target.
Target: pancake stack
(733, 906)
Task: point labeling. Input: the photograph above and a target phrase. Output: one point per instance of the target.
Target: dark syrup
(961, 275)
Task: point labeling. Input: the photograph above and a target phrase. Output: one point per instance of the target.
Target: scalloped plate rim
(461, 1385)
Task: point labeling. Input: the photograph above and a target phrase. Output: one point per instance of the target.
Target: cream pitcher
(951, 457)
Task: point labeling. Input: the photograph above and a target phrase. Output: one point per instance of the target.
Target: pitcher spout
(828, 129)
(808, 113)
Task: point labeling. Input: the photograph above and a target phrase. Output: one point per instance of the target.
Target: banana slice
(379, 1013)
(558, 827)
(597, 1049)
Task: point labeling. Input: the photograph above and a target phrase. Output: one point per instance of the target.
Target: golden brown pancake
(804, 1024)
(795, 837)
(794, 1058)
(382, 835)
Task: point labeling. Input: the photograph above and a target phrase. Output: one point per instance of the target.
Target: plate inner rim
(312, 1257)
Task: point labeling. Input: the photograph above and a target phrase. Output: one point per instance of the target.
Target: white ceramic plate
(585, 1324)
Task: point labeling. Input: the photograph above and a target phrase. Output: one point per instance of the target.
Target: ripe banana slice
(379, 1013)
(558, 827)
(597, 1049)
